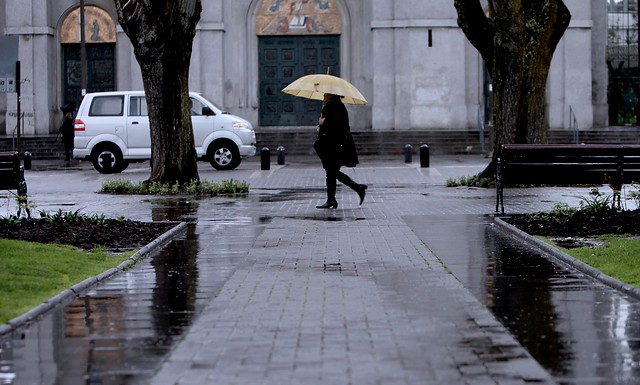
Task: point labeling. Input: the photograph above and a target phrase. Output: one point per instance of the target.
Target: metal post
(27, 160)
(83, 53)
(424, 155)
(408, 153)
(19, 120)
(265, 154)
(106, 163)
(280, 155)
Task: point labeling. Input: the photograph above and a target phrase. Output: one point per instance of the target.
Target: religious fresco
(298, 17)
(99, 26)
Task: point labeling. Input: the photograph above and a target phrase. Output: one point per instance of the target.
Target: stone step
(300, 141)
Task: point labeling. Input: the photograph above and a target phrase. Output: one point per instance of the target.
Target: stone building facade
(407, 57)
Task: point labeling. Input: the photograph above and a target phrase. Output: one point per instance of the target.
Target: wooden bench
(12, 173)
(566, 164)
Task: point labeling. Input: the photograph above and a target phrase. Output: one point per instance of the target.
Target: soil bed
(110, 234)
(579, 224)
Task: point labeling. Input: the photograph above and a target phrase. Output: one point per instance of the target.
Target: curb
(74, 290)
(554, 252)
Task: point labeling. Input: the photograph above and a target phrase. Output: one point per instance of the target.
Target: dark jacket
(67, 129)
(335, 145)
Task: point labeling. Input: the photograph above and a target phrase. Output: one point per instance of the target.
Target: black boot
(331, 202)
(360, 189)
(328, 205)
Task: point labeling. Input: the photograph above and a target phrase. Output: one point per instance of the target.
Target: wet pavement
(415, 286)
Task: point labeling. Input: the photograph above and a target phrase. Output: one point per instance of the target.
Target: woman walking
(335, 148)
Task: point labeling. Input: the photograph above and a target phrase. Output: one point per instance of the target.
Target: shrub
(203, 187)
(470, 181)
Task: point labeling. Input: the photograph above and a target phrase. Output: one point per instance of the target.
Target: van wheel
(224, 155)
(109, 151)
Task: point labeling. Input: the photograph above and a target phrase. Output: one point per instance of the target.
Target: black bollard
(280, 155)
(106, 162)
(27, 160)
(408, 153)
(265, 154)
(424, 155)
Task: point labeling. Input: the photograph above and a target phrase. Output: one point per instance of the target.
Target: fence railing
(573, 125)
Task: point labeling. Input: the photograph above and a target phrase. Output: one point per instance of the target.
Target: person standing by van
(67, 130)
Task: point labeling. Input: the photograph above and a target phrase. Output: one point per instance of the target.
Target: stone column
(29, 21)
(383, 66)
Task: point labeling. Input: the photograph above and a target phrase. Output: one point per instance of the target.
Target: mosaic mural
(298, 17)
(99, 27)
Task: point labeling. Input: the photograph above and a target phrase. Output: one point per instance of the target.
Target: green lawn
(619, 257)
(31, 273)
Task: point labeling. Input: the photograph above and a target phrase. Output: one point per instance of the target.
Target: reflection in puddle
(285, 195)
(519, 291)
(119, 331)
(580, 330)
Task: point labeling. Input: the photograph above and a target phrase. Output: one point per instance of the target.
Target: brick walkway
(351, 296)
(346, 296)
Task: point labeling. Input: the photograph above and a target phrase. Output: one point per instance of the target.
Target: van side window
(138, 106)
(107, 106)
(196, 107)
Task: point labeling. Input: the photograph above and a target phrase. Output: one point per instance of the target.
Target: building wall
(3, 96)
(408, 58)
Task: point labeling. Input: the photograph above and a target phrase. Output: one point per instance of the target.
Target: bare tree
(516, 39)
(162, 32)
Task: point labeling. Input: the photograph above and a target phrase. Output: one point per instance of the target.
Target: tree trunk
(517, 39)
(162, 32)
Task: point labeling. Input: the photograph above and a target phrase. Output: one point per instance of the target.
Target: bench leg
(499, 198)
(23, 200)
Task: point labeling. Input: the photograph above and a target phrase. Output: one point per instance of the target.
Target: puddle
(285, 195)
(326, 218)
(580, 330)
(118, 332)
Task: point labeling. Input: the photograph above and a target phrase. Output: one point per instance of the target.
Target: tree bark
(516, 39)
(162, 32)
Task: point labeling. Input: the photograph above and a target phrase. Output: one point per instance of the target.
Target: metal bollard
(106, 159)
(424, 155)
(408, 153)
(265, 154)
(280, 155)
(27, 160)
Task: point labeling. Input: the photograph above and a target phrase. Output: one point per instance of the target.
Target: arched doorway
(295, 38)
(100, 39)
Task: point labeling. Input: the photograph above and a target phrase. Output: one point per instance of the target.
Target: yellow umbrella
(315, 86)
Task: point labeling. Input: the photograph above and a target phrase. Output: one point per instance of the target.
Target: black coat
(335, 145)
(67, 130)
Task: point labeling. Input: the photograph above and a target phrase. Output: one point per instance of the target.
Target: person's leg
(346, 180)
(67, 150)
(331, 191)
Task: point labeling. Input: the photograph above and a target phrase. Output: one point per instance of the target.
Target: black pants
(68, 147)
(333, 174)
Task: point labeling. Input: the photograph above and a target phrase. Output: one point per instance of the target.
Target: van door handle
(134, 122)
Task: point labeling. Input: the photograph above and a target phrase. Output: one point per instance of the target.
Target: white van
(114, 125)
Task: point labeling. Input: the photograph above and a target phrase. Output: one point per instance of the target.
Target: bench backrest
(9, 170)
(569, 164)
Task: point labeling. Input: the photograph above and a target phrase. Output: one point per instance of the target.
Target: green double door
(283, 59)
(100, 70)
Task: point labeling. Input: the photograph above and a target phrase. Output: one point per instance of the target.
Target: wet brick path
(310, 296)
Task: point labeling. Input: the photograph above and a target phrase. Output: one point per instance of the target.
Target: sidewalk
(345, 296)
(351, 296)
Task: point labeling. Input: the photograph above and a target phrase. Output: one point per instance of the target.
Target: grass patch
(203, 188)
(617, 258)
(469, 181)
(31, 273)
